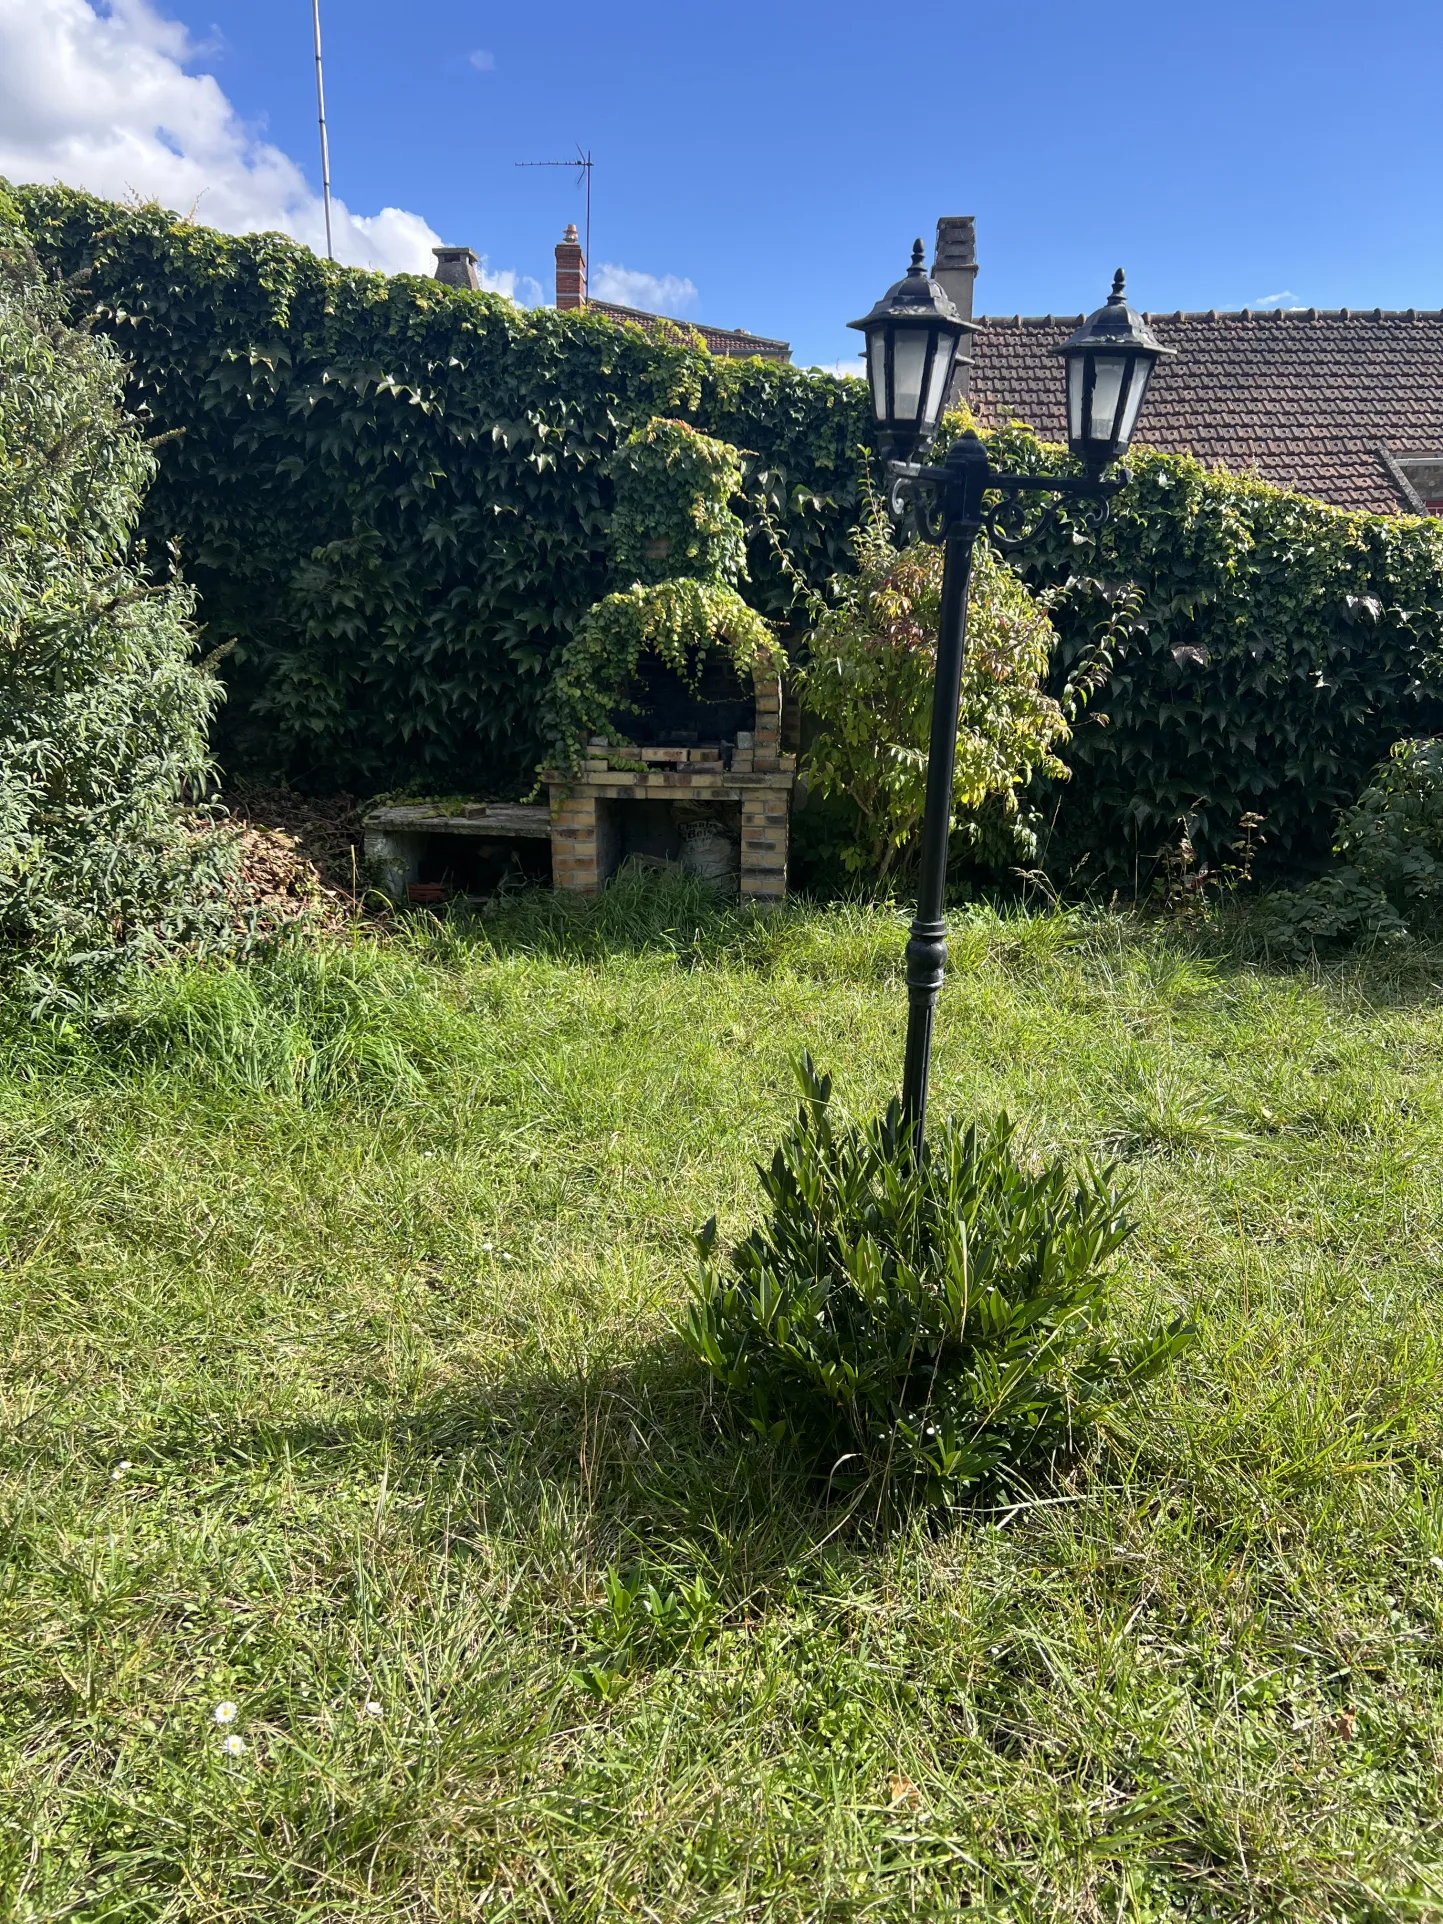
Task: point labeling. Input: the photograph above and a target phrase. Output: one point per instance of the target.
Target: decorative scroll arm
(938, 503)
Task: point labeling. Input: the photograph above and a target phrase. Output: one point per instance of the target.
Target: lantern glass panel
(1076, 385)
(1108, 370)
(937, 382)
(1132, 407)
(909, 358)
(877, 371)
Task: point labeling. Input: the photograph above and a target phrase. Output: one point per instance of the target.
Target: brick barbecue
(627, 800)
(589, 809)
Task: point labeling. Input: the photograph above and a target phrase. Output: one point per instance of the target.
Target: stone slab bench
(395, 838)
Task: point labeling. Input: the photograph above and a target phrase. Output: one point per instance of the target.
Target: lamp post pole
(961, 503)
(915, 338)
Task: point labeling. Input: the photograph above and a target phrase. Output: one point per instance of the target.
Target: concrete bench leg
(394, 859)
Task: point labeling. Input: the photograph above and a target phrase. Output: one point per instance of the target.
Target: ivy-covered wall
(393, 495)
(1280, 648)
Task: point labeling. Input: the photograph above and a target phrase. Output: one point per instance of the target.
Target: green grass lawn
(339, 1379)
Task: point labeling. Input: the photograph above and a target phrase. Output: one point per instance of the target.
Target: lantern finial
(918, 255)
(1117, 298)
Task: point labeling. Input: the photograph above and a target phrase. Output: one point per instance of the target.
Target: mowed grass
(339, 1376)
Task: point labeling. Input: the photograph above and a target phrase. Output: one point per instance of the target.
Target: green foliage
(929, 1326)
(674, 531)
(677, 620)
(672, 515)
(867, 683)
(1389, 876)
(1279, 648)
(395, 496)
(103, 715)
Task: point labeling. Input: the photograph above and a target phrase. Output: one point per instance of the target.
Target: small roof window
(1422, 475)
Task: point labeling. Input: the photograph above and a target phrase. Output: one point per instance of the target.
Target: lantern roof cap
(916, 297)
(1114, 325)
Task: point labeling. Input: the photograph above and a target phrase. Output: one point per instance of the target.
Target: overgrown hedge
(1280, 648)
(393, 495)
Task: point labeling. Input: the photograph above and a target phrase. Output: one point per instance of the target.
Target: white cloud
(104, 101)
(853, 370)
(516, 287)
(1286, 299)
(652, 293)
(483, 62)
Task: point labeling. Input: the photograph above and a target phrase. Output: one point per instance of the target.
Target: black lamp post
(915, 338)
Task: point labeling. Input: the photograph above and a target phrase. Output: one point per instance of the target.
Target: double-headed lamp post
(915, 340)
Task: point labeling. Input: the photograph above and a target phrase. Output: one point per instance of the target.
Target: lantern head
(915, 338)
(1109, 362)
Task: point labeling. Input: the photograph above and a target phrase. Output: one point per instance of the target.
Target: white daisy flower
(371, 1708)
(234, 1746)
(224, 1713)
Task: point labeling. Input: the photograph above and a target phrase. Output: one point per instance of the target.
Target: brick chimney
(570, 270)
(456, 266)
(955, 267)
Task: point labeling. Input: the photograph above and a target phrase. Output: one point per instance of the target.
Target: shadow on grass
(635, 1458)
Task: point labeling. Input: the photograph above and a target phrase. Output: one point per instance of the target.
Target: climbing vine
(675, 533)
(394, 497)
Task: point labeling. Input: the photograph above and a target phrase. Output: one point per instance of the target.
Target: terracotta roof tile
(1308, 398)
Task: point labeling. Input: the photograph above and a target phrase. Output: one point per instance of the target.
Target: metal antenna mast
(583, 164)
(321, 116)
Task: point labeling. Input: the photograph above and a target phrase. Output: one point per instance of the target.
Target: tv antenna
(321, 116)
(583, 164)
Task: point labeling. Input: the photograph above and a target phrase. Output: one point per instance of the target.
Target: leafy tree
(867, 683)
(103, 714)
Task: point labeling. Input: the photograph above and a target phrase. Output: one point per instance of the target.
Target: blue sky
(781, 159)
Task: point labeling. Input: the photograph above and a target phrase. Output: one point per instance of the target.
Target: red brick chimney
(570, 270)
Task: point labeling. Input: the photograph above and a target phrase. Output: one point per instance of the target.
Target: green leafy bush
(929, 1326)
(103, 715)
(867, 682)
(1389, 876)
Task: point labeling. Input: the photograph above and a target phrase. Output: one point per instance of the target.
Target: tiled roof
(732, 343)
(1311, 399)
